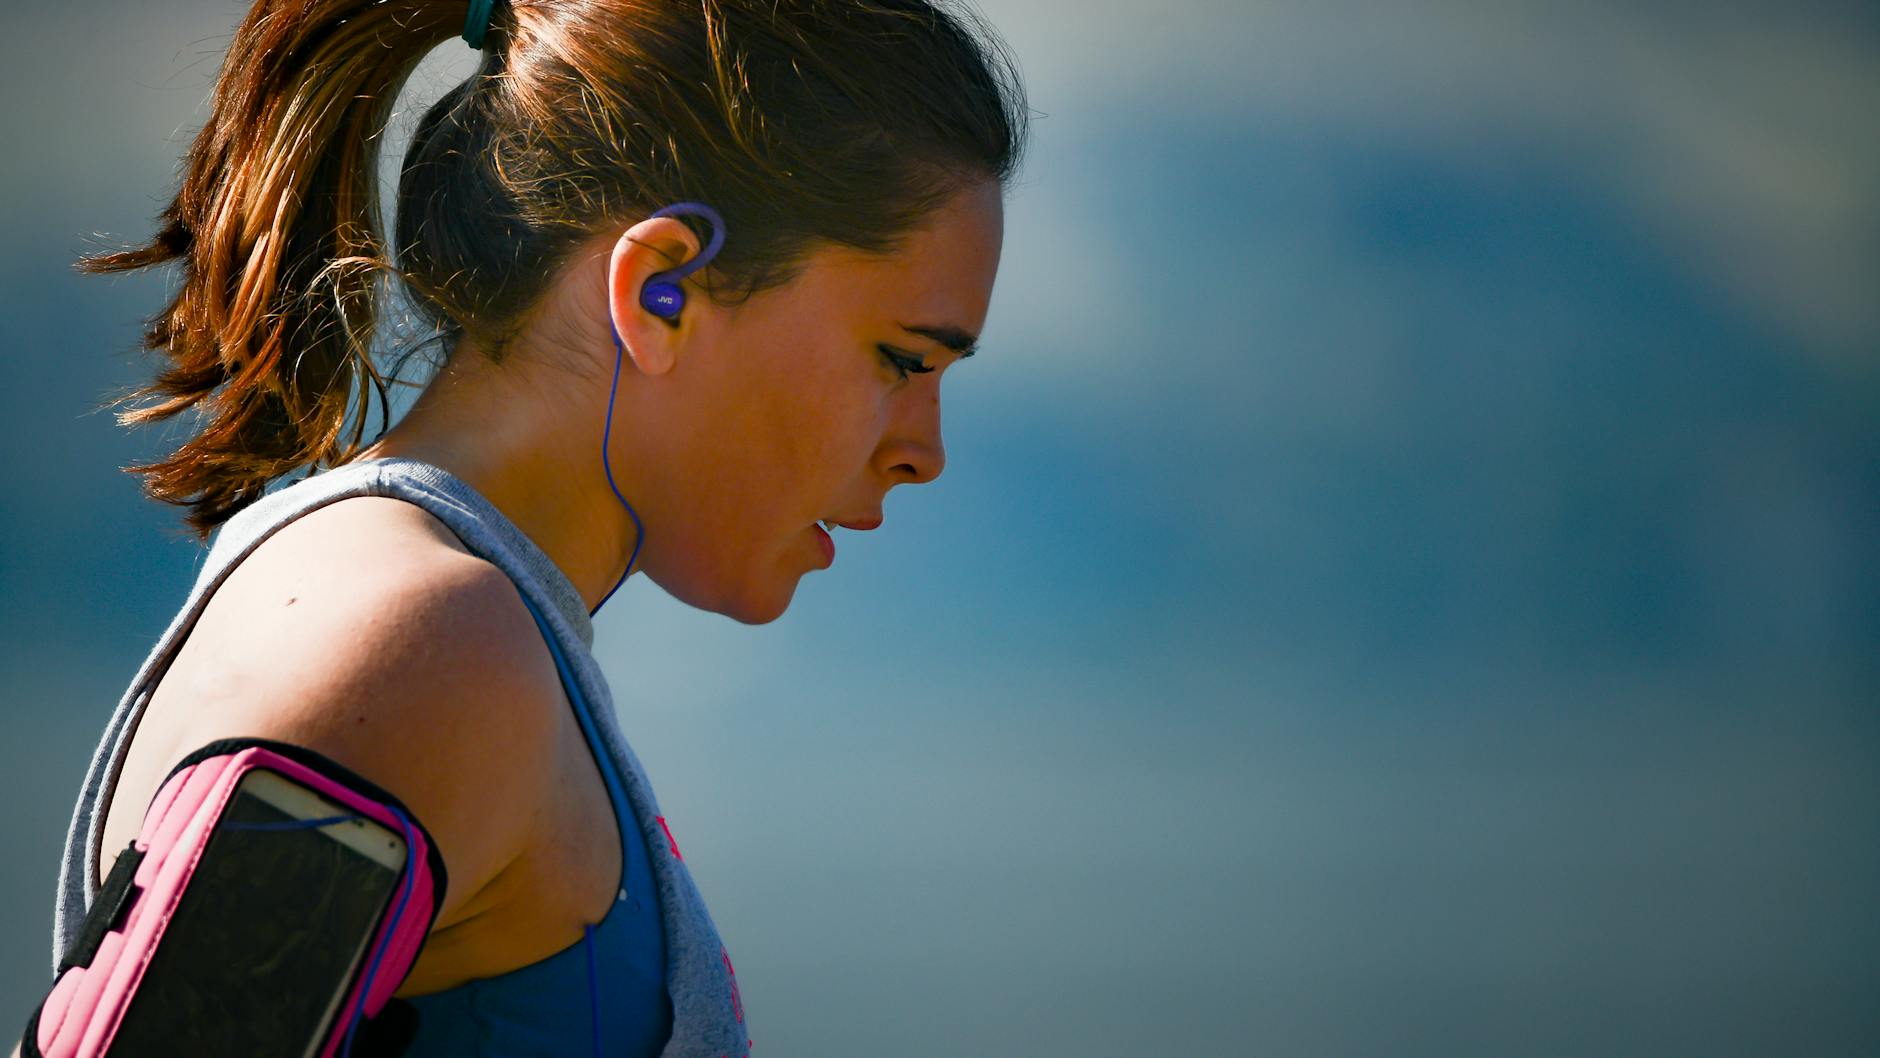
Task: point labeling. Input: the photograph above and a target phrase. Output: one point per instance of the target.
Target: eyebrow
(952, 337)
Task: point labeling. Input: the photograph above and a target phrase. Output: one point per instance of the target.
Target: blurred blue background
(1405, 581)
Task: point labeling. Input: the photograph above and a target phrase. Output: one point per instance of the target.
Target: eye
(903, 364)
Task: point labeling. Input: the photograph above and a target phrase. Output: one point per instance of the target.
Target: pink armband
(102, 972)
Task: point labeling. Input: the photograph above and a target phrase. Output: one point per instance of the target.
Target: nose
(913, 452)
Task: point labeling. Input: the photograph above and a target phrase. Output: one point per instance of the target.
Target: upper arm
(429, 684)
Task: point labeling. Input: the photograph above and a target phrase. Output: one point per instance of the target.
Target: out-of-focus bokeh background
(1405, 582)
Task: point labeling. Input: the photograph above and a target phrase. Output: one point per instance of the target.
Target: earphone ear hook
(662, 295)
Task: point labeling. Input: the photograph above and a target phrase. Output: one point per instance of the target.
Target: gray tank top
(707, 1012)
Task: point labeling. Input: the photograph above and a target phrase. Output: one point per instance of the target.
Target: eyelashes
(903, 365)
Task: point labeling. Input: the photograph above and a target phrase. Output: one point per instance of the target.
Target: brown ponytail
(801, 121)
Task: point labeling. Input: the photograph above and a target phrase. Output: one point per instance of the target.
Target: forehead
(943, 272)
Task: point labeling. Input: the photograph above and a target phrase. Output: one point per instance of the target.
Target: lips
(828, 545)
(860, 524)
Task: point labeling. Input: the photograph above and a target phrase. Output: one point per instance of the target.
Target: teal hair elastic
(477, 22)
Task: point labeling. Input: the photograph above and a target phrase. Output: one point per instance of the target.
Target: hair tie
(477, 22)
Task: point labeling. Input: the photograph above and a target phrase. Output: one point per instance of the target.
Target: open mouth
(828, 545)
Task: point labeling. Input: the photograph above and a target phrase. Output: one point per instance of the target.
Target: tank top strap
(616, 790)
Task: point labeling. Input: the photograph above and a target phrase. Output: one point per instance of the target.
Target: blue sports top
(652, 978)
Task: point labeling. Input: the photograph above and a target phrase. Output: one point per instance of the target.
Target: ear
(649, 247)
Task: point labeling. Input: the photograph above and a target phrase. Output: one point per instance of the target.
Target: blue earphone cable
(664, 298)
(359, 1011)
(639, 530)
(594, 989)
(288, 824)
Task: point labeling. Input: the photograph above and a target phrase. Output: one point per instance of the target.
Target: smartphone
(270, 929)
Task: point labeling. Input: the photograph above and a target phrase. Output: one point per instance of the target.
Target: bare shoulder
(367, 638)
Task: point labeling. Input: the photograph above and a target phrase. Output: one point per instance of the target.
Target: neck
(538, 464)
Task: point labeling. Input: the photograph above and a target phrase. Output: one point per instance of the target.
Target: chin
(757, 617)
(745, 604)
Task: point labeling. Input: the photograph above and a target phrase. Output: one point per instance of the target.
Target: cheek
(784, 444)
(819, 425)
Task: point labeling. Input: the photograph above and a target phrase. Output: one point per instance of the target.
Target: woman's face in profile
(795, 413)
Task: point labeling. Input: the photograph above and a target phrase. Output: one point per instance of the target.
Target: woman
(827, 177)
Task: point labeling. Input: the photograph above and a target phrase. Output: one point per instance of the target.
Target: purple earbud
(661, 295)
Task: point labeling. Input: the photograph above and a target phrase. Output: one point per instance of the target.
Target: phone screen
(271, 925)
